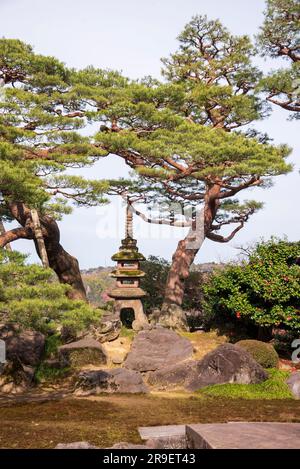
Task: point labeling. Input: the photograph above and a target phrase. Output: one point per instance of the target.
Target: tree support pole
(39, 237)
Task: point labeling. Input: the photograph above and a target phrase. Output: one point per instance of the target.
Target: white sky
(132, 36)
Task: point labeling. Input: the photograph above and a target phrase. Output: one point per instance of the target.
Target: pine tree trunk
(64, 265)
(171, 313)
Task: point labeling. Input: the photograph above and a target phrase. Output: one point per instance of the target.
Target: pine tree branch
(254, 181)
(158, 221)
(14, 235)
(223, 239)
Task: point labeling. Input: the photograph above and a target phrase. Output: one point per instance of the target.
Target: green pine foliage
(40, 135)
(31, 298)
(263, 290)
(184, 137)
(280, 37)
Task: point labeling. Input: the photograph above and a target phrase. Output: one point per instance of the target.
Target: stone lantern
(127, 293)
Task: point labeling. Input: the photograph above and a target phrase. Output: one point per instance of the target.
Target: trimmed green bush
(274, 387)
(33, 299)
(263, 290)
(263, 353)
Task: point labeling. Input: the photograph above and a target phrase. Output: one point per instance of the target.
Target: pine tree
(179, 138)
(39, 139)
(280, 37)
(32, 299)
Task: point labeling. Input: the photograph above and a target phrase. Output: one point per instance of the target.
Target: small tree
(31, 298)
(263, 290)
(280, 37)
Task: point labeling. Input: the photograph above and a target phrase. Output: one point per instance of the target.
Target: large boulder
(83, 352)
(23, 346)
(115, 380)
(173, 376)
(293, 383)
(226, 364)
(154, 349)
(15, 378)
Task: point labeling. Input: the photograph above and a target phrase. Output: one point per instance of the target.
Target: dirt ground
(108, 419)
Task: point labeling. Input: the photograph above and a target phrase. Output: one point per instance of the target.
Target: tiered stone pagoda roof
(128, 292)
(128, 252)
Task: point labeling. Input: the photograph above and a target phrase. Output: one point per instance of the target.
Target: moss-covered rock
(263, 353)
(81, 353)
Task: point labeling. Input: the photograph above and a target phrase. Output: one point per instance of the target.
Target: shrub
(33, 299)
(274, 387)
(48, 374)
(263, 290)
(263, 353)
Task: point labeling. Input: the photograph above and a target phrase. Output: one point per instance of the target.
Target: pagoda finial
(128, 221)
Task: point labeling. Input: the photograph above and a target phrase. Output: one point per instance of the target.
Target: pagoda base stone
(140, 319)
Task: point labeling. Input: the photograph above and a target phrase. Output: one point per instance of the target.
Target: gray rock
(227, 364)
(173, 377)
(76, 445)
(125, 445)
(154, 349)
(25, 346)
(172, 442)
(16, 378)
(115, 380)
(293, 383)
(109, 329)
(83, 352)
(155, 443)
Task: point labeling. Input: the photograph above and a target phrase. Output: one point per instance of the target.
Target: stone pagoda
(127, 293)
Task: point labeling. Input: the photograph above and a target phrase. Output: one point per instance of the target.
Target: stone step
(244, 435)
(164, 431)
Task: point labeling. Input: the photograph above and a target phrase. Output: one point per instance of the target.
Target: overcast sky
(132, 36)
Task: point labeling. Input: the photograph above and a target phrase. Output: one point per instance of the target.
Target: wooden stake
(39, 237)
(129, 222)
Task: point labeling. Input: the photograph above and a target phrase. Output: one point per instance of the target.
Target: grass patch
(49, 374)
(204, 342)
(130, 333)
(274, 387)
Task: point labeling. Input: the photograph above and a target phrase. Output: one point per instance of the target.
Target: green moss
(89, 356)
(130, 333)
(48, 374)
(128, 256)
(274, 387)
(128, 273)
(263, 353)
